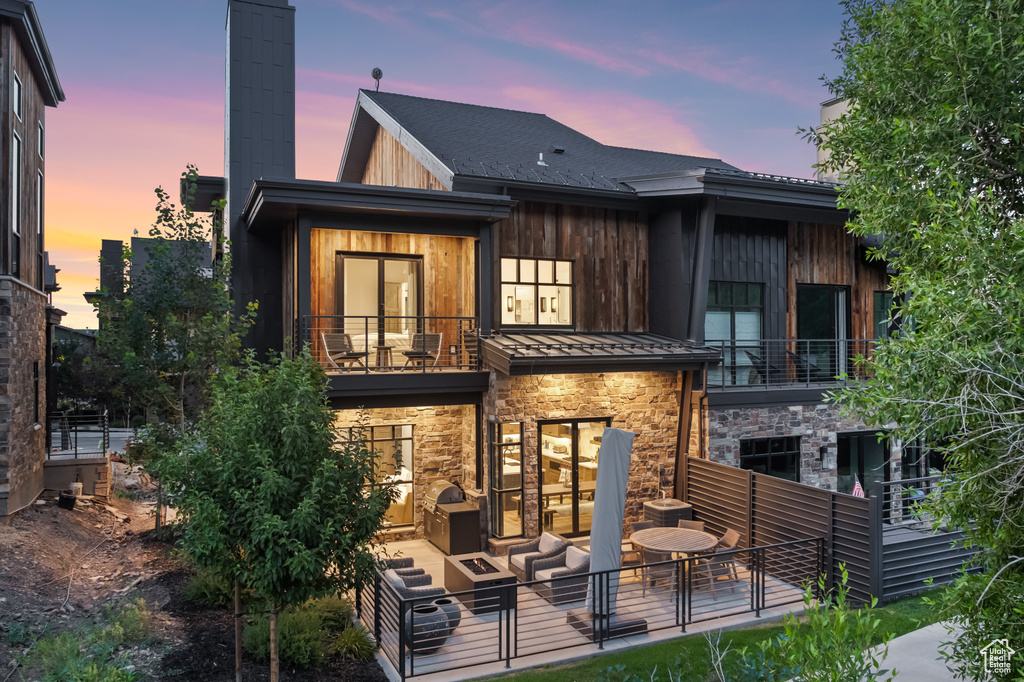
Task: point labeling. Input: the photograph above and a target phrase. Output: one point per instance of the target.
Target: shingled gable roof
(467, 140)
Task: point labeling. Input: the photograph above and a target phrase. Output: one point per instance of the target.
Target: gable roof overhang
(737, 185)
(366, 119)
(272, 203)
(23, 17)
(539, 352)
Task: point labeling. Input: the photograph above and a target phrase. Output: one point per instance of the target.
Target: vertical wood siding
(828, 254)
(448, 267)
(609, 248)
(754, 250)
(33, 112)
(390, 164)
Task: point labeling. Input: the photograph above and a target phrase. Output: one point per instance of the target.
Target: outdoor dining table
(677, 540)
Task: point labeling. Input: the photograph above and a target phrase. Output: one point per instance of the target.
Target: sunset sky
(144, 81)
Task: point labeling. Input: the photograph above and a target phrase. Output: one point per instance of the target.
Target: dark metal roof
(273, 202)
(466, 140)
(542, 353)
(26, 24)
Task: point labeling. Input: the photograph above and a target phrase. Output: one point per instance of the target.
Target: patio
(535, 631)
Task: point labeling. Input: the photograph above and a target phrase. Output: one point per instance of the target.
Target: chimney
(259, 142)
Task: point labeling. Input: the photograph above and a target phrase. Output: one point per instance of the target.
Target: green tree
(930, 154)
(170, 327)
(270, 494)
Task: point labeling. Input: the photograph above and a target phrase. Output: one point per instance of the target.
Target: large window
(505, 448)
(823, 326)
(394, 443)
(16, 205)
(536, 292)
(16, 97)
(779, 457)
(882, 311)
(733, 323)
(861, 456)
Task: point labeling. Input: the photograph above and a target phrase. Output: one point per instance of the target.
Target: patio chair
(425, 348)
(691, 525)
(630, 552)
(652, 574)
(566, 575)
(522, 556)
(716, 565)
(403, 566)
(807, 370)
(411, 586)
(338, 349)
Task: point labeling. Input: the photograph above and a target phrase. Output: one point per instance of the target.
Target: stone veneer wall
(646, 403)
(816, 424)
(22, 441)
(443, 446)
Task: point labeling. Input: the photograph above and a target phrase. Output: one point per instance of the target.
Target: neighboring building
(494, 288)
(830, 111)
(28, 84)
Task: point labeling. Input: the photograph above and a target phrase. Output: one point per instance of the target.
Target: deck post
(875, 513)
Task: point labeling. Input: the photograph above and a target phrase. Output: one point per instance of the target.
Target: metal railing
(498, 624)
(788, 362)
(73, 436)
(365, 344)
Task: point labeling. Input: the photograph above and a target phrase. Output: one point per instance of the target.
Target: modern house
(488, 289)
(28, 85)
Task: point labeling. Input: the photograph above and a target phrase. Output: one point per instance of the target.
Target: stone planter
(451, 608)
(428, 628)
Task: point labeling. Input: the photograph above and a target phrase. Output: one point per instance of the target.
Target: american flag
(857, 490)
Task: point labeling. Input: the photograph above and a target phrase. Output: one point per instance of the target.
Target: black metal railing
(782, 362)
(902, 501)
(495, 625)
(74, 436)
(364, 344)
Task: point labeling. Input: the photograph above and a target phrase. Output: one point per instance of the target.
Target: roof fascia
(533, 191)
(25, 20)
(418, 150)
(289, 195)
(702, 181)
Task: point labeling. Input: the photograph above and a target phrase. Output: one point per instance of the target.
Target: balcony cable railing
(761, 363)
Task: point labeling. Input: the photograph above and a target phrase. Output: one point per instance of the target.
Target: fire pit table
(480, 573)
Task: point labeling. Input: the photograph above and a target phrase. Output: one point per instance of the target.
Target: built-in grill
(451, 524)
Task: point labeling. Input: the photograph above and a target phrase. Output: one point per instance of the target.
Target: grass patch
(898, 617)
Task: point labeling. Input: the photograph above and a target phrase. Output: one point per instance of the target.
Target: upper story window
(41, 147)
(882, 311)
(733, 320)
(16, 96)
(16, 205)
(536, 291)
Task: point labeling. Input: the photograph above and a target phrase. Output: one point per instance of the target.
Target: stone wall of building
(443, 446)
(817, 425)
(646, 403)
(22, 397)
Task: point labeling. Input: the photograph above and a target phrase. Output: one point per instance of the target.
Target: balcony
(362, 345)
(789, 363)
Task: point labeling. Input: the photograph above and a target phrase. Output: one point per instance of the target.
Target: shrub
(354, 642)
(336, 612)
(305, 631)
(210, 588)
(131, 623)
(17, 634)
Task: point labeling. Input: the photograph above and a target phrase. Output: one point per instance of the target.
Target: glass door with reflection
(568, 458)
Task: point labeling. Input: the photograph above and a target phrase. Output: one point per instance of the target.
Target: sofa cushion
(548, 542)
(519, 560)
(392, 577)
(546, 573)
(575, 557)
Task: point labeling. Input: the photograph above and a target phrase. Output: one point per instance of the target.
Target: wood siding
(828, 254)
(15, 60)
(609, 248)
(392, 165)
(448, 268)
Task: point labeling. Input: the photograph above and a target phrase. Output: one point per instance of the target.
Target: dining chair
(691, 525)
(631, 552)
(652, 574)
(717, 565)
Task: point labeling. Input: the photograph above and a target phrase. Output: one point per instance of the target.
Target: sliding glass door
(380, 297)
(568, 459)
(823, 326)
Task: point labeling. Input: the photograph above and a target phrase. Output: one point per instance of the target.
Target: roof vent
(540, 161)
(559, 150)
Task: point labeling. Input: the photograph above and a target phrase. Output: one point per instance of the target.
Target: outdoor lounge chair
(567, 574)
(338, 350)
(720, 565)
(411, 586)
(425, 348)
(766, 372)
(807, 370)
(522, 556)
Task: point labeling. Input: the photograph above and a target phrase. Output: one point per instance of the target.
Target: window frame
(791, 447)
(735, 345)
(878, 299)
(371, 442)
(41, 142)
(17, 96)
(494, 493)
(17, 182)
(538, 300)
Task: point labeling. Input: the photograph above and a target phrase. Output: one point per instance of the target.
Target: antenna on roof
(377, 74)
